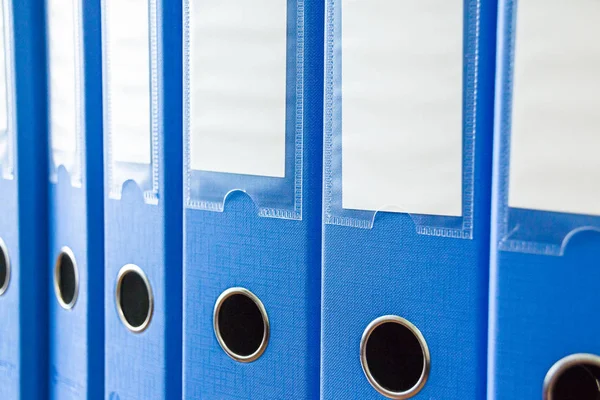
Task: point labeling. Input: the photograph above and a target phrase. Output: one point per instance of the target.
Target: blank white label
(555, 140)
(402, 106)
(3, 78)
(238, 86)
(63, 75)
(129, 90)
(6, 131)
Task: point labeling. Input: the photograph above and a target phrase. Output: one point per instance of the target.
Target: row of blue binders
(301, 199)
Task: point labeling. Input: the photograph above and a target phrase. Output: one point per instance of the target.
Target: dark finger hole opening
(395, 357)
(66, 279)
(134, 299)
(578, 382)
(4, 268)
(241, 325)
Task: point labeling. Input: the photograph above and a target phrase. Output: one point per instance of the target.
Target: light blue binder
(543, 331)
(407, 188)
(141, 41)
(9, 223)
(76, 223)
(253, 84)
(23, 194)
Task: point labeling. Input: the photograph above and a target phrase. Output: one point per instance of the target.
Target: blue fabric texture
(10, 365)
(545, 309)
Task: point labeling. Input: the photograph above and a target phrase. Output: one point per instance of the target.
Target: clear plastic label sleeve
(243, 90)
(130, 75)
(7, 93)
(65, 97)
(400, 112)
(550, 123)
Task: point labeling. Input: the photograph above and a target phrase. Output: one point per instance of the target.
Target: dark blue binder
(23, 194)
(76, 223)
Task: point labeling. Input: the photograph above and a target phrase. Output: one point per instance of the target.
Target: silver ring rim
(66, 251)
(5, 255)
(561, 366)
(407, 394)
(266, 331)
(132, 268)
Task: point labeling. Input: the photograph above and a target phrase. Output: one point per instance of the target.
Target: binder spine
(543, 266)
(170, 103)
(10, 369)
(384, 266)
(76, 266)
(94, 193)
(143, 359)
(32, 169)
(272, 260)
